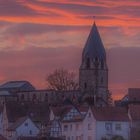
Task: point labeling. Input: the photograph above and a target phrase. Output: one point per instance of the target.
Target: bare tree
(62, 80)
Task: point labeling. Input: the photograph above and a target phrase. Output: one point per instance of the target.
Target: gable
(27, 124)
(89, 116)
(71, 114)
(51, 115)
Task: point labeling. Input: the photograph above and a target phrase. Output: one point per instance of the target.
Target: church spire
(93, 72)
(94, 47)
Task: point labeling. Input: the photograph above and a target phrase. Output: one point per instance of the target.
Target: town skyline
(40, 36)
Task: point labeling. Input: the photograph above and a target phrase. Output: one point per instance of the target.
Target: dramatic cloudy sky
(38, 36)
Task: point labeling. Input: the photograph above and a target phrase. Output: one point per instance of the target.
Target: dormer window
(88, 63)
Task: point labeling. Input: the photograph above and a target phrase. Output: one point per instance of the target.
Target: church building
(93, 72)
(93, 80)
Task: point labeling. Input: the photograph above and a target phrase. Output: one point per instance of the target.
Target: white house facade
(23, 127)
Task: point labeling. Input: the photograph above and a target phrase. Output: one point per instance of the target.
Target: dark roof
(18, 85)
(60, 111)
(38, 112)
(6, 93)
(134, 111)
(2, 137)
(110, 113)
(94, 46)
(17, 123)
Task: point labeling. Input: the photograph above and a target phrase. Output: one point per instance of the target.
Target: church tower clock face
(93, 72)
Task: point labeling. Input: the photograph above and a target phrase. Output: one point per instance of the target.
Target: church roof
(21, 85)
(94, 46)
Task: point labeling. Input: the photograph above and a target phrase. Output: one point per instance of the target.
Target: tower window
(102, 64)
(85, 85)
(34, 96)
(102, 80)
(96, 62)
(88, 63)
(22, 96)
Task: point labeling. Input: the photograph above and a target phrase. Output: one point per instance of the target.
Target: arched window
(46, 97)
(85, 85)
(34, 96)
(88, 63)
(102, 64)
(22, 96)
(96, 62)
(102, 80)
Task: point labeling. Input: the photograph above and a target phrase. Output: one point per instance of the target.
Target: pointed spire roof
(94, 46)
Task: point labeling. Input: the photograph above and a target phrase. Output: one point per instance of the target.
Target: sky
(38, 36)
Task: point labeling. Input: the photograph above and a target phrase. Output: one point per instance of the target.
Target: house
(134, 115)
(95, 123)
(108, 122)
(23, 127)
(55, 124)
(13, 111)
(72, 127)
(54, 128)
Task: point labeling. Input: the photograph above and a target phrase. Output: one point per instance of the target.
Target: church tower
(93, 72)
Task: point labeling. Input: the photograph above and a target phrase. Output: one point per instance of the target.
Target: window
(88, 63)
(22, 96)
(30, 132)
(96, 62)
(108, 127)
(89, 138)
(26, 124)
(102, 64)
(85, 85)
(71, 127)
(89, 126)
(65, 127)
(77, 126)
(89, 115)
(72, 138)
(118, 126)
(34, 97)
(68, 138)
(102, 80)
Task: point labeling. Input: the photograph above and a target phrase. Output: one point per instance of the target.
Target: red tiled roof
(110, 113)
(134, 111)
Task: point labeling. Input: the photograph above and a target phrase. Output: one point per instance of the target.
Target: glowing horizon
(37, 36)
